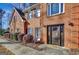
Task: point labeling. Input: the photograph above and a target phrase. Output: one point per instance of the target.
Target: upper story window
(37, 13)
(29, 15)
(55, 8)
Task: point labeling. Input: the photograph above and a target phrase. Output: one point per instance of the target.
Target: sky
(8, 8)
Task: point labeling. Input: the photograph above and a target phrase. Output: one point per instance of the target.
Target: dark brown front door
(55, 34)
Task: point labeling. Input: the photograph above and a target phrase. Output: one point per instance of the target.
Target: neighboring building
(54, 23)
(18, 23)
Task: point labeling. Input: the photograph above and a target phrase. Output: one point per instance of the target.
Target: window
(37, 13)
(55, 8)
(29, 15)
(56, 28)
(29, 31)
(37, 33)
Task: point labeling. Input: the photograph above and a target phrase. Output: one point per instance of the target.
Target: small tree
(1, 15)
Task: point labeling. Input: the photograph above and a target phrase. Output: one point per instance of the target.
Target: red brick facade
(70, 19)
(17, 23)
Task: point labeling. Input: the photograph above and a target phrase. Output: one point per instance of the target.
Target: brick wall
(70, 16)
(33, 22)
(18, 24)
(70, 19)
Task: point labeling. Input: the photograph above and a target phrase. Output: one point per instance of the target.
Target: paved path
(19, 49)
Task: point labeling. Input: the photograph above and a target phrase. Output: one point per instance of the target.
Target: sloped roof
(32, 7)
(20, 13)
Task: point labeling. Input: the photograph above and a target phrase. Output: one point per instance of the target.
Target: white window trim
(37, 13)
(29, 15)
(63, 8)
(48, 9)
(59, 10)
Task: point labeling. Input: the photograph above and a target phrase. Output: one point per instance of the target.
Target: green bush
(14, 36)
(11, 36)
(2, 32)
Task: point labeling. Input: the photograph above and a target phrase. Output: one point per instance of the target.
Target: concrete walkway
(18, 49)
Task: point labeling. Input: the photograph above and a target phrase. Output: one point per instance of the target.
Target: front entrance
(55, 34)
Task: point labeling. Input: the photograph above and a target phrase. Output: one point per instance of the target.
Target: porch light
(71, 24)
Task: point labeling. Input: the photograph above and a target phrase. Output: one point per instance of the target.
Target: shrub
(20, 36)
(27, 38)
(15, 36)
(2, 32)
(7, 35)
(11, 36)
